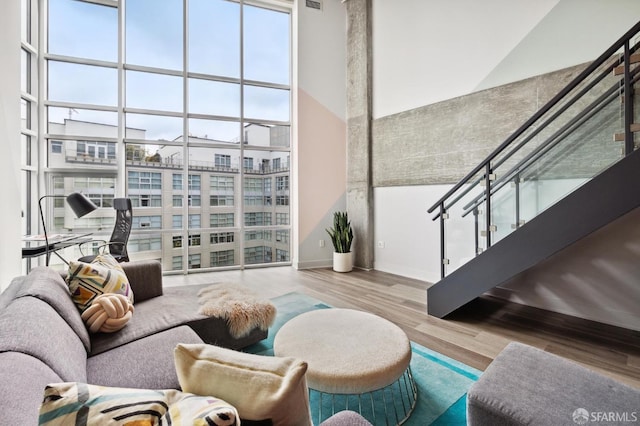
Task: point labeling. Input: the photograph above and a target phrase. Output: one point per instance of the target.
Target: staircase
(571, 169)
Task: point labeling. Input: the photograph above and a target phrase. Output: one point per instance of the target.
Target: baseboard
(311, 264)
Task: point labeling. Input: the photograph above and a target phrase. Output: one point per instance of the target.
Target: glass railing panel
(503, 211)
(600, 86)
(580, 154)
(461, 229)
(580, 142)
(635, 70)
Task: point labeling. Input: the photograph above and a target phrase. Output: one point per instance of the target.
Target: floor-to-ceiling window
(182, 106)
(29, 114)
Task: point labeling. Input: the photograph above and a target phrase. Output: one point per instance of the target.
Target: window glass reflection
(153, 127)
(266, 104)
(266, 45)
(154, 33)
(154, 91)
(83, 83)
(214, 37)
(214, 97)
(92, 34)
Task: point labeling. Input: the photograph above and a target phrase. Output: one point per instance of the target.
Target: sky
(154, 38)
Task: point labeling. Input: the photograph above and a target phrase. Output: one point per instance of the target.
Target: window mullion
(241, 208)
(41, 38)
(121, 151)
(185, 133)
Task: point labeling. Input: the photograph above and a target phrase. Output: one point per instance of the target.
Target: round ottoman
(355, 358)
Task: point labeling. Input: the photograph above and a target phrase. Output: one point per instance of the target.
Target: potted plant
(341, 236)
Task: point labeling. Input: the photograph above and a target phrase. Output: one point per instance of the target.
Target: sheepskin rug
(243, 309)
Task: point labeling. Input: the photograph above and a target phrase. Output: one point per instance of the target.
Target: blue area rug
(442, 382)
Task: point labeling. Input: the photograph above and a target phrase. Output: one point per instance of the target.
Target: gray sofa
(43, 339)
(527, 386)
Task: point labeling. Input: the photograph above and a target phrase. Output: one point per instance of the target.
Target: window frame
(146, 186)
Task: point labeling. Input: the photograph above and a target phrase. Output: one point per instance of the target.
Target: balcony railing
(71, 156)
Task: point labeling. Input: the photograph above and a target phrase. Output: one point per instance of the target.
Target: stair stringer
(605, 198)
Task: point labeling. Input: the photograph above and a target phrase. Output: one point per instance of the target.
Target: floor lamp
(78, 202)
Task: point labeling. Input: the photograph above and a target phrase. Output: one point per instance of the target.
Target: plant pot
(342, 262)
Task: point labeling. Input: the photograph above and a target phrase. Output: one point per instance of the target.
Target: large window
(223, 184)
(145, 180)
(146, 200)
(28, 116)
(93, 149)
(183, 106)
(222, 258)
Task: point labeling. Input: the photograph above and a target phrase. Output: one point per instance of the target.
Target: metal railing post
(628, 102)
(476, 228)
(487, 188)
(442, 244)
(517, 183)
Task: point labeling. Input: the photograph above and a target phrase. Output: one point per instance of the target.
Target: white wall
(429, 51)
(322, 44)
(10, 214)
(594, 24)
(407, 241)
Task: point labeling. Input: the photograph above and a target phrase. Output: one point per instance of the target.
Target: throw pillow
(80, 403)
(109, 312)
(260, 387)
(88, 280)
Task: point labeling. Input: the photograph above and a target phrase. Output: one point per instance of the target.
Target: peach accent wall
(322, 165)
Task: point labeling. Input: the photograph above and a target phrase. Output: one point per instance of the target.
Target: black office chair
(117, 244)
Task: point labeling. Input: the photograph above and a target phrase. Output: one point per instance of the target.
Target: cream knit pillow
(259, 387)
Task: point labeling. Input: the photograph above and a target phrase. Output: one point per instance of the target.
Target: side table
(355, 358)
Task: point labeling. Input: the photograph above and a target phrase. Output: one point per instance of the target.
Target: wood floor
(474, 334)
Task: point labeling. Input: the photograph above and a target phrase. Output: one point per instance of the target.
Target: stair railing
(519, 141)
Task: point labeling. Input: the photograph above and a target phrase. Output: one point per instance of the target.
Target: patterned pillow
(103, 275)
(81, 403)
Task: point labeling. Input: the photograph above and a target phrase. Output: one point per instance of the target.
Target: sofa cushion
(47, 285)
(32, 327)
(8, 294)
(22, 379)
(526, 386)
(81, 403)
(178, 306)
(145, 277)
(144, 363)
(260, 387)
(103, 275)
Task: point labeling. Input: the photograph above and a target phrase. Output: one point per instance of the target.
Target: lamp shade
(80, 204)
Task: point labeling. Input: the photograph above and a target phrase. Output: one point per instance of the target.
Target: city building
(205, 203)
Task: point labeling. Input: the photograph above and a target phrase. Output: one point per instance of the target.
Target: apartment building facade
(222, 207)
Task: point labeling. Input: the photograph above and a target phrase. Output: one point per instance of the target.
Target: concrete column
(359, 89)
